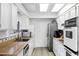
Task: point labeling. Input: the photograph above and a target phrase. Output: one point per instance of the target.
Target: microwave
(71, 22)
(25, 33)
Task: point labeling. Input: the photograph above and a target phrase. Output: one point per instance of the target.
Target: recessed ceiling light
(57, 7)
(43, 7)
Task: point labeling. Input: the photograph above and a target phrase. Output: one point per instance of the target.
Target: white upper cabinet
(60, 21)
(24, 22)
(66, 15)
(5, 16)
(14, 17)
(77, 10)
(9, 17)
(0, 14)
(72, 12)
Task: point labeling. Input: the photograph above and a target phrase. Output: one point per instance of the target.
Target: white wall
(40, 31)
(43, 15)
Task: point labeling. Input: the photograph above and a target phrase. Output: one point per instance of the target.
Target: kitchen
(39, 29)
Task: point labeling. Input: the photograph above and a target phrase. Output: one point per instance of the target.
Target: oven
(70, 34)
(69, 52)
(70, 38)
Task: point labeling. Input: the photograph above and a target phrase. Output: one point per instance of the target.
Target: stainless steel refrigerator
(53, 26)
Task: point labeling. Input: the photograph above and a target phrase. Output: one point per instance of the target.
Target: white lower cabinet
(21, 53)
(30, 47)
(58, 48)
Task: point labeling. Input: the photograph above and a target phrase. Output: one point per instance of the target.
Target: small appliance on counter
(58, 33)
(25, 34)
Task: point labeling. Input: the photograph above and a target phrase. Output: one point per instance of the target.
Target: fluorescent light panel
(57, 7)
(43, 7)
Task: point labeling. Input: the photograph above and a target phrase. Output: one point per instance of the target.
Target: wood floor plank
(42, 52)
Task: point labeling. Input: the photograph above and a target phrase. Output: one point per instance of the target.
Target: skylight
(43, 7)
(57, 7)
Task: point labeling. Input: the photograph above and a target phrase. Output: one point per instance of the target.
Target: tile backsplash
(7, 35)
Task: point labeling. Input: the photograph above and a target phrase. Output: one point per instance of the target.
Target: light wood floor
(42, 52)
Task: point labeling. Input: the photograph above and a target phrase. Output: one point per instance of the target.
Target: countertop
(12, 49)
(60, 39)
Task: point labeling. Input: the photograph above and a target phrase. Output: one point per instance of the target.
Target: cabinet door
(30, 47)
(0, 14)
(66, 15)
(61, 50)
(60, 21)
(72, 12)
(5, 16)
(55, 47)
(20, 53)
(77, 10)
(14, 17)
(58, 48)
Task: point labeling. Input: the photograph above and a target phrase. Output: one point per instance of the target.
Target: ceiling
(32, 7)
(35, 7)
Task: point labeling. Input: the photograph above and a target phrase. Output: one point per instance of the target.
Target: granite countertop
(12, 49)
